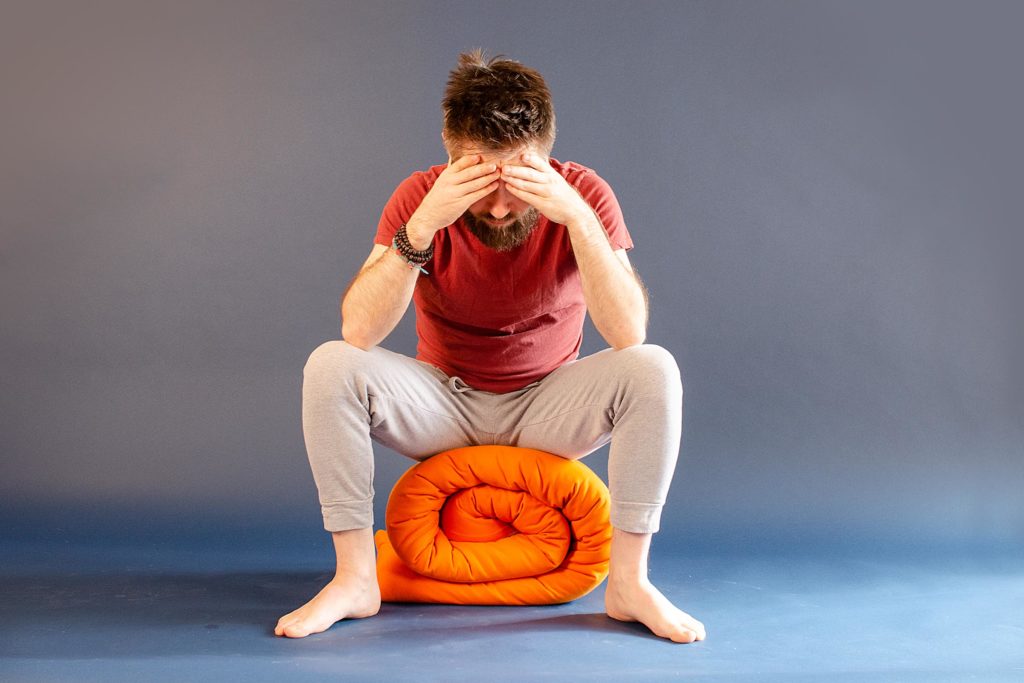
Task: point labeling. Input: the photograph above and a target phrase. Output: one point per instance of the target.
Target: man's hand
(463, 183)
(541, 186)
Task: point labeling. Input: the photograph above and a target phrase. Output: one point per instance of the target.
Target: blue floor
(97, 613)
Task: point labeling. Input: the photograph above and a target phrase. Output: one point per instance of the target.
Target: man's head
(497, 108)
(496, 104)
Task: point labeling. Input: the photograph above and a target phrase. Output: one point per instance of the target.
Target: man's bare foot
(640, 601)
(344, 597)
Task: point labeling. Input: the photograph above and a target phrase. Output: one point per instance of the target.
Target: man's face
(500, 220)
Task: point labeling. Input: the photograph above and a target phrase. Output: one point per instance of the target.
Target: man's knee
(335, 357)
(650, 367)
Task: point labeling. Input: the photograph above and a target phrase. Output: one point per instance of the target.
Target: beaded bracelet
(414, 258)
(413, 265)
(418, 255)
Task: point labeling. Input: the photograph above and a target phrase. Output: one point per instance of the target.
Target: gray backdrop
(824, 199)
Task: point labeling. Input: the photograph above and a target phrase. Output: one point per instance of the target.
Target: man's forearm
(614, 296)
(376, 300)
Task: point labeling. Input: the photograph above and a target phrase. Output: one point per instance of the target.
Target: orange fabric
(494, 525)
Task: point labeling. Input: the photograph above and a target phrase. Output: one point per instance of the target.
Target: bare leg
(630, 596)
(353, 593)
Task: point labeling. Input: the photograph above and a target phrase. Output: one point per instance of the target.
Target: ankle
(349, 575)
(355, 555)
(625, 579)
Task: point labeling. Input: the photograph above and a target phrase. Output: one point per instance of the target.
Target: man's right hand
(462, 184)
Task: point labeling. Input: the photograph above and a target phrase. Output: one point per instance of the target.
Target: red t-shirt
(501, 320)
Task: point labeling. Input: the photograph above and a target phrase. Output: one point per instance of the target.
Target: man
(504, 251)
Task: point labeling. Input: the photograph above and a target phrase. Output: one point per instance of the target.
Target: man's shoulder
(571, 169)
(404, 201)
(585, 179)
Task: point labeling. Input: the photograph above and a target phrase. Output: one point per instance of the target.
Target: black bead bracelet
(405, 248)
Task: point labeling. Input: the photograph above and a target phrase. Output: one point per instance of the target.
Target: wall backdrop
(825, 200)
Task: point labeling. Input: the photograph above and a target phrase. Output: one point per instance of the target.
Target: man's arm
(615, 296)
(377, 298)
(379, 295)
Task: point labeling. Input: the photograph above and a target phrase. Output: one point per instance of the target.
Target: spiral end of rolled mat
(494, 525)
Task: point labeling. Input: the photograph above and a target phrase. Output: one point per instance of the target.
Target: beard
(507, 237)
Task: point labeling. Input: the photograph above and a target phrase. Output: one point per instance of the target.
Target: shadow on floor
(167, 614)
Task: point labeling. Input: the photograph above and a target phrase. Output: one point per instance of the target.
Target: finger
(523, 172)
(465, 162)
(474, 184)
(474, 197)
(474, 172)
(528, 186)
(535, 161)
(527, 196)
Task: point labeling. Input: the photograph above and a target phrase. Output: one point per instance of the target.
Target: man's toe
(685, 636)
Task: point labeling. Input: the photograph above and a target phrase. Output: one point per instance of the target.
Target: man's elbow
(625, 345)
(353, 337)
(627, 339)
(361, 345)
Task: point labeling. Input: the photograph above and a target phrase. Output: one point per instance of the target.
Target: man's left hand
(532, 179)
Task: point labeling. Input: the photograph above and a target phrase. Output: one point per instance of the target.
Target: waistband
(457, 385)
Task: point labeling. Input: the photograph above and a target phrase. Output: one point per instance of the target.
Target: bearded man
(504, 250)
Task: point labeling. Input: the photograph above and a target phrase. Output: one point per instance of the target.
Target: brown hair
(497, 103)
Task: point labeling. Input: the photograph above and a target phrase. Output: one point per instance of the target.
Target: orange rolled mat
(494, 525)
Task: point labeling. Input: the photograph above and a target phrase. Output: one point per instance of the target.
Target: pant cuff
(346, 516)
(636, 518)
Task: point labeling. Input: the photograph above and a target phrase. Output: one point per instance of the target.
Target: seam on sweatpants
(572, 410)
(469, 425)
(367, 499)
(388, 397)
(555, 417)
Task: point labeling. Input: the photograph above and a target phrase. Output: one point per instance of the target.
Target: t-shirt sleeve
(598, 193)
(400, 207)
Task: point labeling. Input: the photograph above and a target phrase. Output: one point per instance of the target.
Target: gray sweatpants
(632, 397)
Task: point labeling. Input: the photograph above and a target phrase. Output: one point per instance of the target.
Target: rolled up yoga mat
(494, 525)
